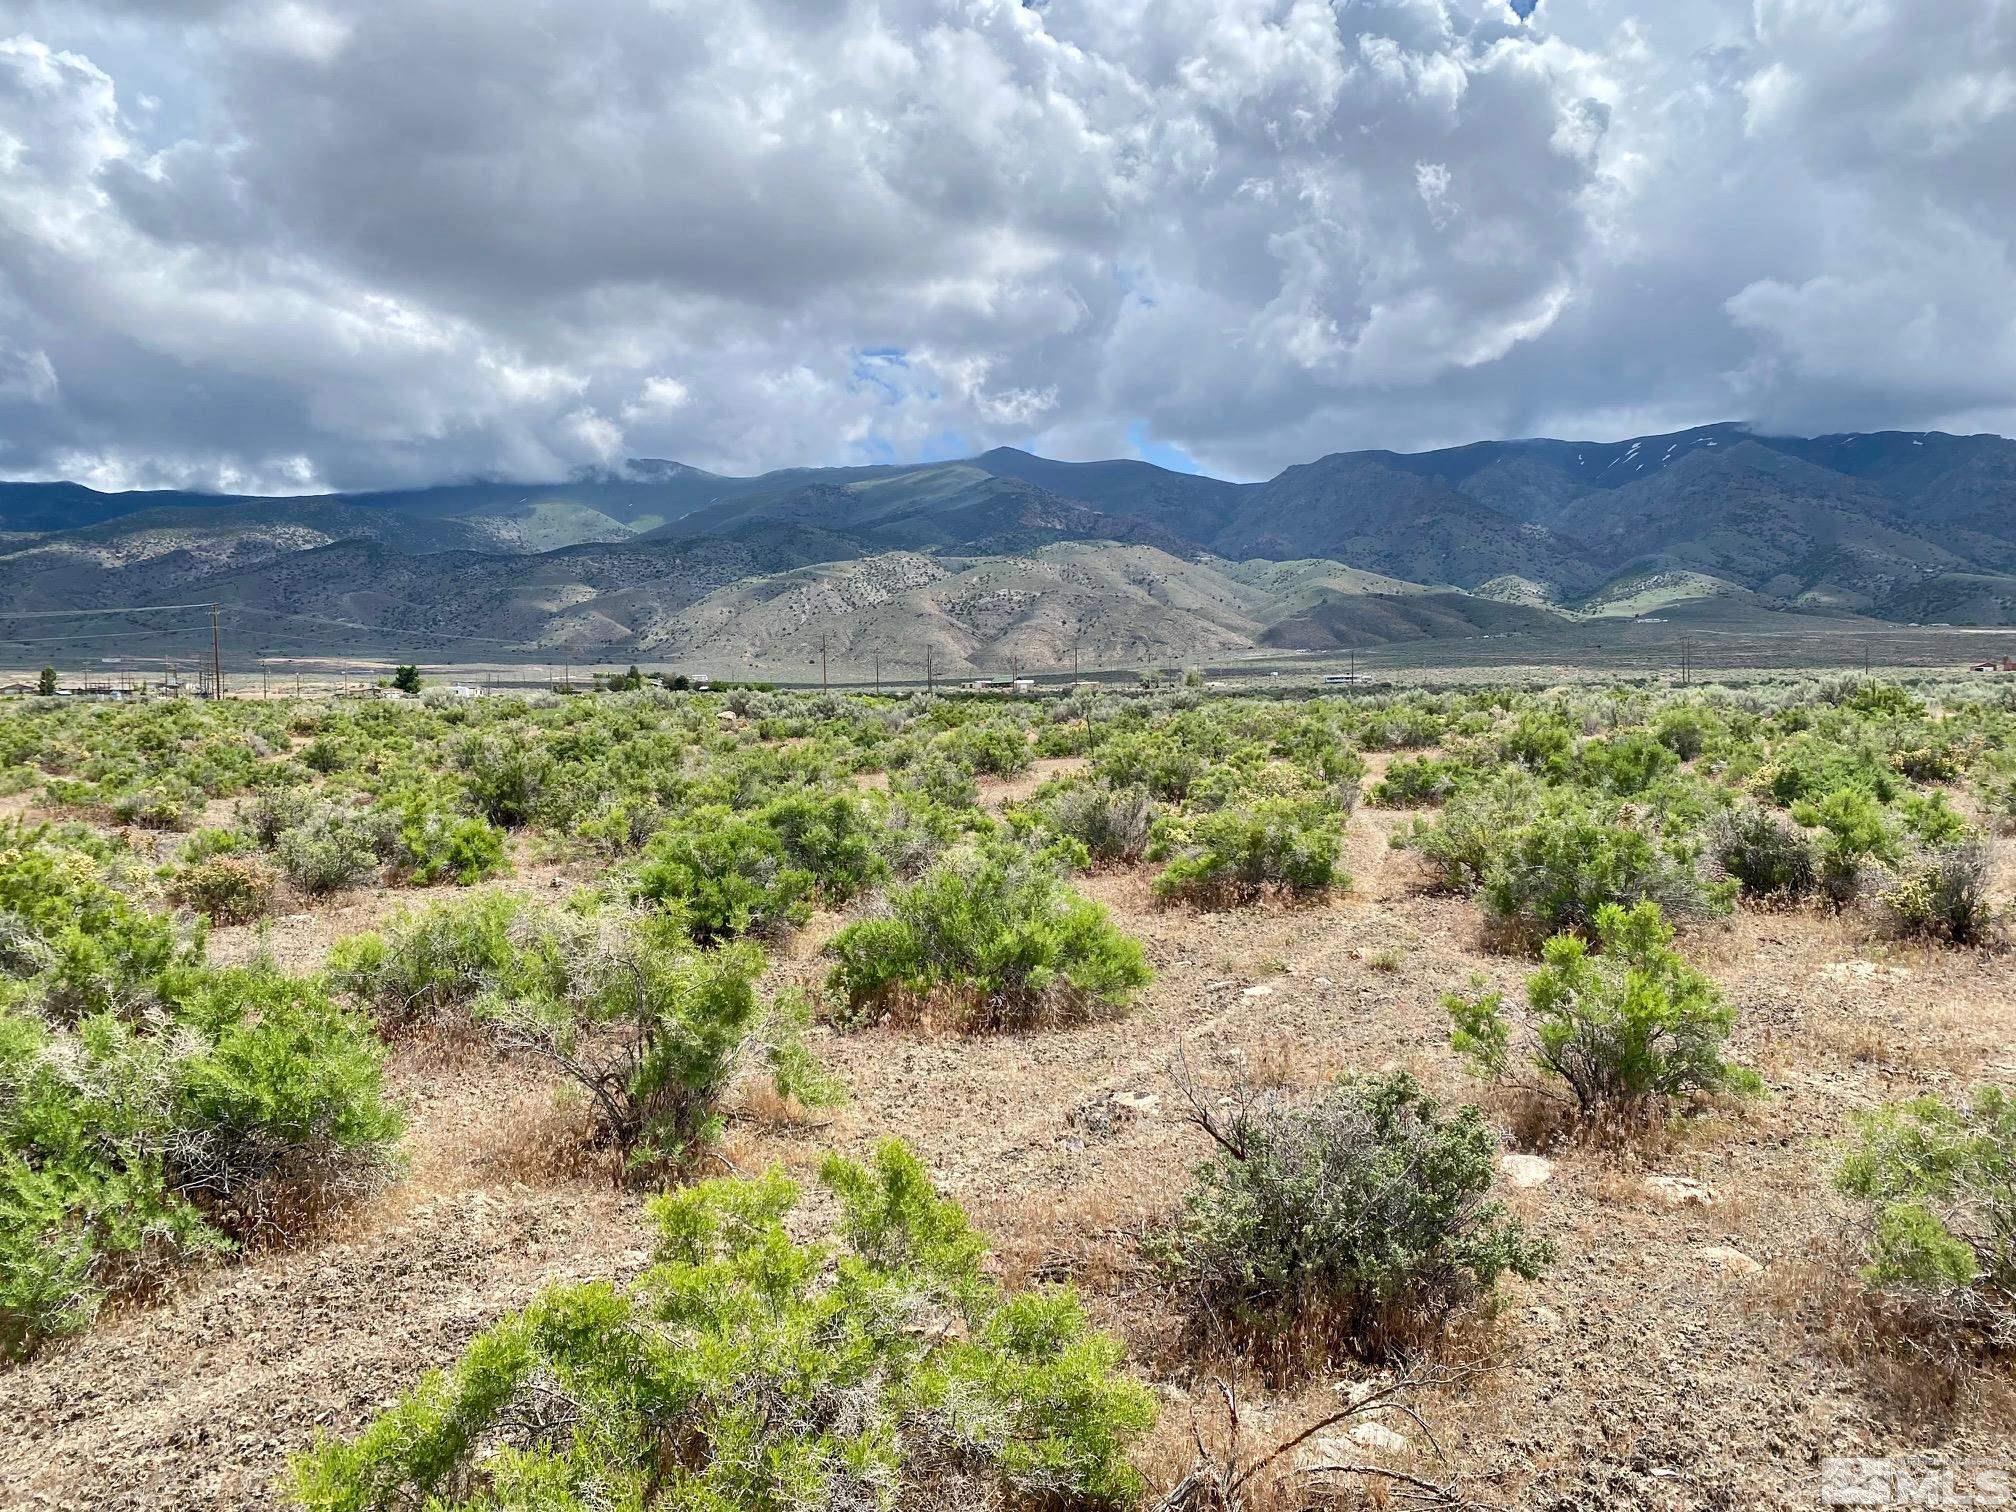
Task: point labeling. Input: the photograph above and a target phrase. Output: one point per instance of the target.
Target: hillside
(1008, 558)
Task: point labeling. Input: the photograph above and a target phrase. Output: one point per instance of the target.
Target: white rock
(1678, 1191)
(1525, 1170)
(1731, 1260)
(1140, 1104)
(1348, 1448)
(1263, 990)
(1378, 1436)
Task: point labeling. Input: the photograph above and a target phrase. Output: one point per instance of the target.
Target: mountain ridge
(1486, 538)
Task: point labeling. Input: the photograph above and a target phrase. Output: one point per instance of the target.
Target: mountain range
(1012, 560)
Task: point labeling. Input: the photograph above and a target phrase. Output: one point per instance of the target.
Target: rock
(1263, 990)
(1103, 1114)
(1323, 981)
(1732, 1260)
(1349, 1448)
(1378, 1436)
(1678, 1192)
(1525, 1170)
(1544, 1317)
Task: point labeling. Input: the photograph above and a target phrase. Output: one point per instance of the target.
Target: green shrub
(746, 1369)
(235, 1108)
(1810, 769)
(1157, 763)
(728, 873)
(1422, 782)
(758, 873)
(1538, 741)
(992, 937)
(333, 846)
(1624, 765)
(1768, 855)
(439, 846)
(445, 958)
(1930, 818)
(1856, 837)
(506, 775)
(832, 838)
(652, 1030)
(1624, 1030)
(1237, 854)
(1686, 731)
(225, 890)
(1941, 892)
(80, 944)
(282, 1112)
(1460, 846)
(1559, 869)
(938, 781)
(1113, 824)
(990, 748)
(1352, 1223)
(206, 844)
(1939, 1187)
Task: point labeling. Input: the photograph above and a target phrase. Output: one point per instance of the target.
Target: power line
(65, 640)
(97, 613)
(310, 619)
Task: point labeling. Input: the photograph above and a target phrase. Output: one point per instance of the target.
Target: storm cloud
(350, 243)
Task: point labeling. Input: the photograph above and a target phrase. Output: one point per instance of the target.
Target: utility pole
(878, 671)
(265, 680)
(822, 664)
(930, 669)
(216, 655)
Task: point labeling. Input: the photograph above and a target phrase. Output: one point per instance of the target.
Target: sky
(283, 246)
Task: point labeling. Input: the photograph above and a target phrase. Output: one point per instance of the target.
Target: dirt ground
(1692, 1346)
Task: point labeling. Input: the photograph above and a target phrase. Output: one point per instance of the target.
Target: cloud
(345, 243)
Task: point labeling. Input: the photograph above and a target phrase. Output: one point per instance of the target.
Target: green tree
(406, 678)
(46, 683)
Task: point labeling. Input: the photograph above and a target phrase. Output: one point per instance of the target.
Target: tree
(406, 679)
(46, 683)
